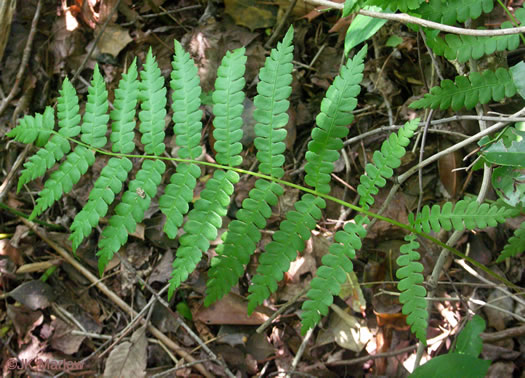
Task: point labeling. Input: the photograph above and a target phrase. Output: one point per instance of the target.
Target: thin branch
(405, 18)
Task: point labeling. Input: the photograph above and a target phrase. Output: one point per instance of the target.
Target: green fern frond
(174, 203)
(35, 129)
(332, 274)
(95, 120)
(465, 47)
(393, 5)
(271, 106)
(62, 180)
(152, 96)
(451, 11)
(332, 123)
(56, 147)
(467, 214)
(293, 233)
(106, 187)
(515, 245)
(412, 293)
(385, 161)
(123, 115)
(478, 88)
(206, 216)
(130, 211)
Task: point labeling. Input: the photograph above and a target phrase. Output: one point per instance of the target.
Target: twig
(25, 58)
(300, 352)
(113, 297)
(95, 42)
(282, 309)
(405, 18)
(277, 30)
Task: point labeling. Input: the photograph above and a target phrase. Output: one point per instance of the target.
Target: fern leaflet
(206, 217)
(451, 11)
(35, 129)
(468, 92)
(467, 214)
(402, 5)
(95, 120)
(412, 293)
(243, 233)
(187, 128)
(136, 200)
(58, 145)
(515, 245)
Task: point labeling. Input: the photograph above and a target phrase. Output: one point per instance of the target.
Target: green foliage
(469, 341)
(451, 11)
(35, 129)
(466, 214)
(402, 5)
(271, 106)
(515, 245)
(477, 88)
(95, 120)
(412, 293)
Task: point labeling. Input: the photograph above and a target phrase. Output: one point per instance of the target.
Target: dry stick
(95, 42)
(25, 59)
(300, 352)
(277, 30)
(405, 18)
(4, 188)
(282, 309)
(115, 298)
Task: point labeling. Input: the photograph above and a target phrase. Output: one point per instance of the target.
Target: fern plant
(201, 220)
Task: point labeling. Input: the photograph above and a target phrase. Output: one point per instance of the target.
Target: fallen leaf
(33, 294)
(128, 359)
(113, 40)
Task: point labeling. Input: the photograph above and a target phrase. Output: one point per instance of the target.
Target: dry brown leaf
(129, 358)
(113, 40)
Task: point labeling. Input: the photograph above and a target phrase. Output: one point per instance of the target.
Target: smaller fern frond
(477, 88)
(174, 203)
(130, 211)
(123, 116)
(412, 292)
(228, 100)
(332, 123)
(465, 47)
(293, 233)
(332, 274)
(466, 214)
(385, 161)
(62, 180)
(451, 11)
(58, 145)
(95, 119)
(206, 216)
(152, 96)
(35, 129)
(515, 245)
(106, 187)
(271, 106)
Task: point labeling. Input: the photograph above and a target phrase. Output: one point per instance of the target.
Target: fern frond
(478, 88)
(130, 211)
(332, 123)
(206, 216)
(228, 100)
(385, 161)
(106, 187)
(465, 47)
(62, 180)
(293, 233)
(35, 129)
(187, 128)
(332, 274)
(467, 214)
(271, 106)
(515, 245)
(393, 5)
(123, 115)
(152, 96)
(95, 120)
(451, 11)
(56, 147)
(412, 292)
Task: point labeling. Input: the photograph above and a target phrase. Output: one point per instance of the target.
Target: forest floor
(56, 311)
